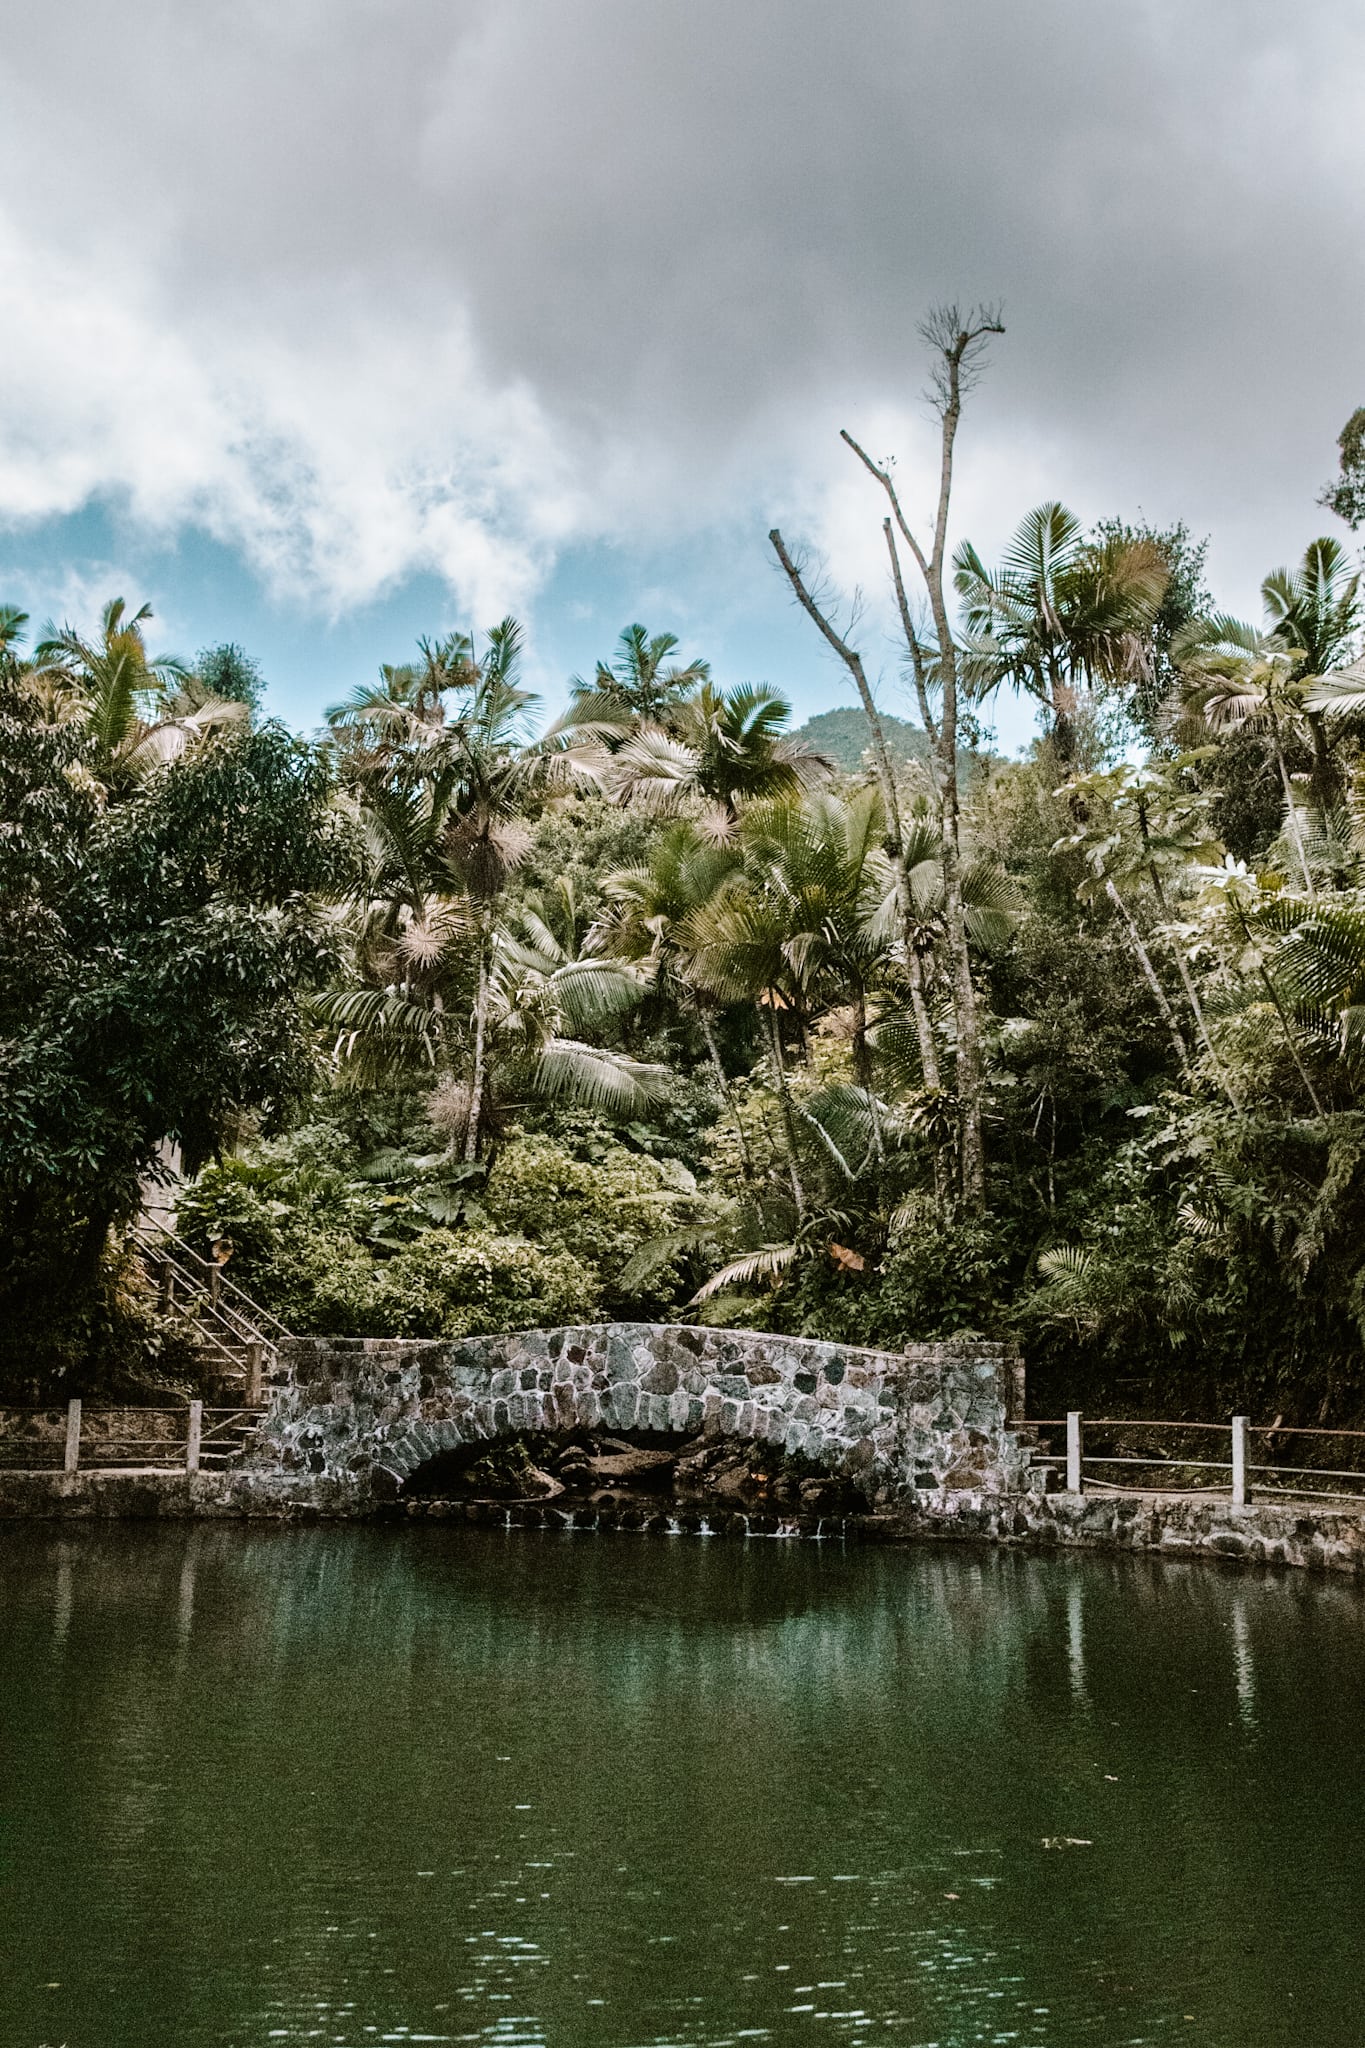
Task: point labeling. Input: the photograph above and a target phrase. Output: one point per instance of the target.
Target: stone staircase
(228, 1437)
(1041, 1473)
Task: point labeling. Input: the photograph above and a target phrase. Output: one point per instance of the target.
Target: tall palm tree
(648, 908)
(551, 987)
(1316, 608)
(1060, 614)
(1138, 827)
(136, 709)
(641, 685)
(442, 764)
(1233, 675)
(806, 923)
(1314, 612)
(13, 627)
(725, 748)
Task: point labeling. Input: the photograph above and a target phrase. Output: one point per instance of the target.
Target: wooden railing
(197, 1437)
(1173, 1469)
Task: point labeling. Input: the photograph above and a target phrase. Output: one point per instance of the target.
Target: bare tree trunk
(727, 1096)
(1149, 975)
(912, 642)
(958, 344)
(477, 1078)
(886, 777)
(788, 1120)
(924, 1023)
(862, 1067)
(853, 661)
(1326, 779)
(1291, 810)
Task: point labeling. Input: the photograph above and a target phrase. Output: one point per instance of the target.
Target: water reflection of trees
(323, 1702)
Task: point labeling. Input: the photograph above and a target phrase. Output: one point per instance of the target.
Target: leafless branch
(912, 639)
(883, 477)
(959, 345)
(853, 661)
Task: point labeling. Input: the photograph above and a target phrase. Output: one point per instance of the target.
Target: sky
(327, 323)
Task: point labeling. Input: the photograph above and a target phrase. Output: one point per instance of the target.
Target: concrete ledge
(1166, 1525)
(155, 1496)
(1171, 1525)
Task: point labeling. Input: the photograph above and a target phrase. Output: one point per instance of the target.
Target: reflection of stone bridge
(364, 1413)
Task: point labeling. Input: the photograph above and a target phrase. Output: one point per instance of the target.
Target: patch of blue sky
(718, 591)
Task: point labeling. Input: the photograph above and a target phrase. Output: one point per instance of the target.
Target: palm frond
(656, 1252)
(1067, 1265)
(567, 1070)
(769, 1262)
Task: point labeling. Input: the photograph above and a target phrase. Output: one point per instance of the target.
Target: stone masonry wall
(1300, 1534)
(363, 1413)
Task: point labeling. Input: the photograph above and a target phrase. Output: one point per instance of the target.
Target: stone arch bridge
(358, 1415)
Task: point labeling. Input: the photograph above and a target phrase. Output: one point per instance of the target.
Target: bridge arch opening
(595, 1469)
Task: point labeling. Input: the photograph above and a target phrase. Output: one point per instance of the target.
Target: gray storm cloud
(371, 286)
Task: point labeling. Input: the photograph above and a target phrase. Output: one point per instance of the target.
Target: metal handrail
(261, 1316)
(226, 1312)
(1173, 1463)
(257, 1327)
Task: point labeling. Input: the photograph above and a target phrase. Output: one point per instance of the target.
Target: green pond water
(428, 1784)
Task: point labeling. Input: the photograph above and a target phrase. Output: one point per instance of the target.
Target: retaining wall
(1262, 1533)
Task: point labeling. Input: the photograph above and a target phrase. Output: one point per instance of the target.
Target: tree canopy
(459, 1018)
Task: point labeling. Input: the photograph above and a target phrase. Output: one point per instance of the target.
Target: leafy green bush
(598, 1211)
(944, 1281)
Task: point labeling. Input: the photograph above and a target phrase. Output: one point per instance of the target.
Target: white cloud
(365, 289)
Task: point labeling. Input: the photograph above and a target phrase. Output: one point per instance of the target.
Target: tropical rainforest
(455, 1018)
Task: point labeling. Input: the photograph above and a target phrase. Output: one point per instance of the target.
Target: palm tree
(648, 909)
(442, 764)
(725, 748)
(544, 995)
(1322, 964)
(808, 922)
(1289, 677)
(549, 988)
(136, 710)
(640, 685)
(989, 910)
(1315, 613)
(1234, 675)
(1316, 607)
(1235, 899)
(13, 625)
(1060, 614)
(1139, 825)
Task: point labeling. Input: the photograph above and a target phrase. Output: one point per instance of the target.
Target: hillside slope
(844, 734)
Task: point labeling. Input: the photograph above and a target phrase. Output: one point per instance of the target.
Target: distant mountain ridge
(845, 735)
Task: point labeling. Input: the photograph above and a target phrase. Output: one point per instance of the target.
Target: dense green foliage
(156, 941)
(461, 1023)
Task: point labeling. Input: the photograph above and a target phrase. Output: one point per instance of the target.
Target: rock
(628, 1462)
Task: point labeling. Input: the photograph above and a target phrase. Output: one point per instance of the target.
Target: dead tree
(958, 344)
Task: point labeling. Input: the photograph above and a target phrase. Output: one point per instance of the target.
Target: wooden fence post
(1240, 1424)
(255, 1367)
(1073, 1450)
(193, 1436)
(72, 1456)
